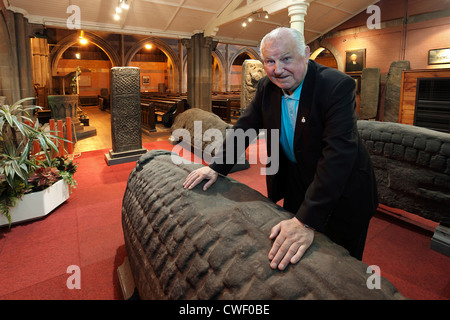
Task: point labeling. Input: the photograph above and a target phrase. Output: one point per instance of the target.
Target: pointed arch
(67, 42)
(164, 47)
(252, 53)
(317, 45)
(223, 67)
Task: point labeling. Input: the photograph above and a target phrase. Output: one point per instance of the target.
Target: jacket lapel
(304, 106)
(275, 103)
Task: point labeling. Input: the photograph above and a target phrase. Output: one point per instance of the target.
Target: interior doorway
(325, 57)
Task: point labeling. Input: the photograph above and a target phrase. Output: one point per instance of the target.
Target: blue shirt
(289, 108)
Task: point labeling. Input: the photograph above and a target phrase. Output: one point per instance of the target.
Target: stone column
(39, 49)
(15, 57)
(199, 73)
(297, 12)
(126, 129)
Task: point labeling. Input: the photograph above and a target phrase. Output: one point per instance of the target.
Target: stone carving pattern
(252, 72)
(412, 166)
(213, 245)
(125, 111)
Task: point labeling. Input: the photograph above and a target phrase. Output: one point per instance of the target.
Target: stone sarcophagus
(194, 244)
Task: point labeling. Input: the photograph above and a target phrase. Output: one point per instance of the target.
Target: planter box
(38, 204)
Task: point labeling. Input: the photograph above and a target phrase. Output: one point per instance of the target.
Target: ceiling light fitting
(253, 16)
(122, 4)
(81, 37)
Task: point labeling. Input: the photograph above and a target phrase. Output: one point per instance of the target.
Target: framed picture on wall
(355, 60)
(439, 56)
(145, 79)
(84, 81)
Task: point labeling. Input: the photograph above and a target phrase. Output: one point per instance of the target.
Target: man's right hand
(198, 175)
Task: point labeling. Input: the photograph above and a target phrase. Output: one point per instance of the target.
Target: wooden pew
(234, 97)
(222, 108)
(166, 110)
(148, 119)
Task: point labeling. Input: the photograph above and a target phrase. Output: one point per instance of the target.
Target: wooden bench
(222, 108)
(165, 110)
(148, 119)
(235, 100)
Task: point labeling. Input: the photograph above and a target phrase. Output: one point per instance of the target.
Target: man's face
(284, 65)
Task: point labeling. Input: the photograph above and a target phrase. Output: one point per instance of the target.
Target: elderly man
(325, 175)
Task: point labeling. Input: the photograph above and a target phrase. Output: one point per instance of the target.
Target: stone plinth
(252, 72)
(62, 106)
(126, 129)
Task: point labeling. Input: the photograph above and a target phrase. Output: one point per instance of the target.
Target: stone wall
(194, 244)
(412, 166)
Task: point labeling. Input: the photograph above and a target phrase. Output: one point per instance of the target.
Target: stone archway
(317, 46)
(174, 62)
(324, 57)
(250, 52)
(67, 42)
(219, 74)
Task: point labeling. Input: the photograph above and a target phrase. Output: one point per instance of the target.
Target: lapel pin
(303, 120)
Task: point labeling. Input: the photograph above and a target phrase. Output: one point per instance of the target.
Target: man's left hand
(292, 241)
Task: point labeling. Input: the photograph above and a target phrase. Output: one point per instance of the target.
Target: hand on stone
(292, 241)
(198, 175)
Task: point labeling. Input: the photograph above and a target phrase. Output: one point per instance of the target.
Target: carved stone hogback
(192, 244)
(412, 166)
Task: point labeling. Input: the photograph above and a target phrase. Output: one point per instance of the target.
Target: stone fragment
(370, 93)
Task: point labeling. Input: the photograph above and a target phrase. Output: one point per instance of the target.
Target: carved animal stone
(252, 72)
(412, 167)
(194, 244)
(204, 120)
(202, 133)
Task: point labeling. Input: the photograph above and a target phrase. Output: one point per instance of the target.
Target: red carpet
(86, 231)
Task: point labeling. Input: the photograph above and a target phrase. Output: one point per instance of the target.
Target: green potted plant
(21, 170)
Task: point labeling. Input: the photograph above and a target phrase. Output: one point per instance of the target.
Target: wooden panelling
(408, 91)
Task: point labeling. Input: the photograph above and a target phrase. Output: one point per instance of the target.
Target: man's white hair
(281, 32)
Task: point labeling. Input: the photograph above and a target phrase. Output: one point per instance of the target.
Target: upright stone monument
(252, 72)
(393, 85)
(370, 93)
(126, 129)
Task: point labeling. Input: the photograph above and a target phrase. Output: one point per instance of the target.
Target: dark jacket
(334, 165)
